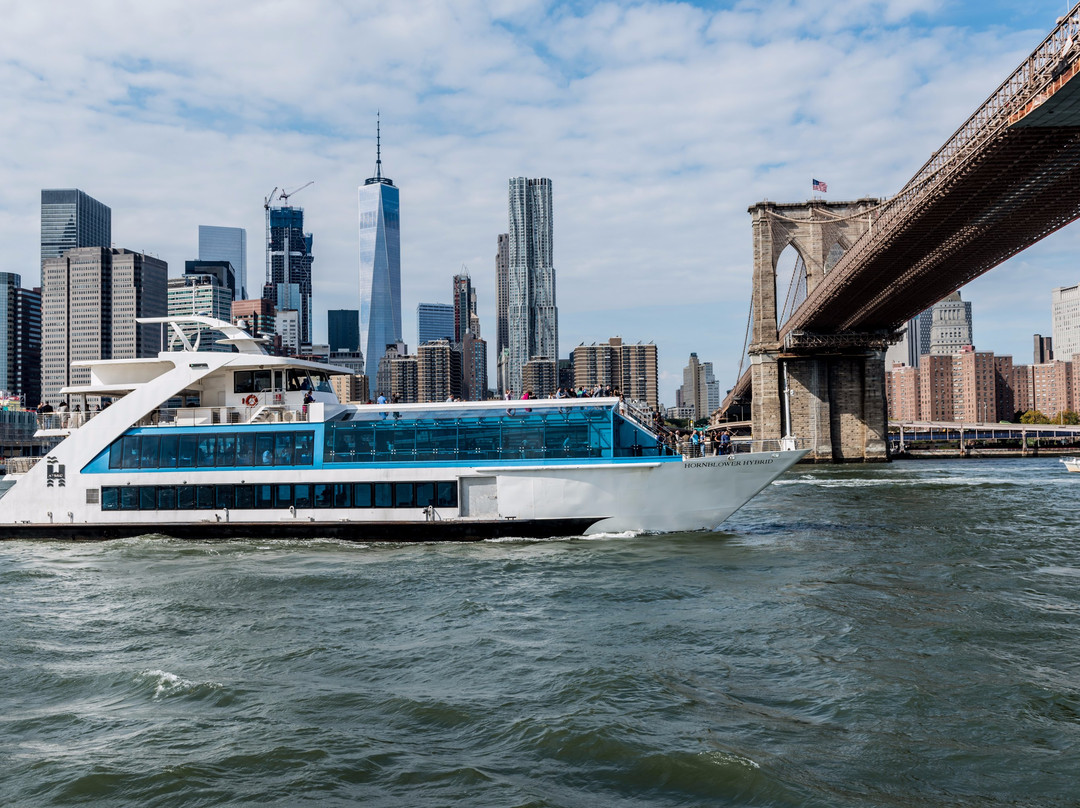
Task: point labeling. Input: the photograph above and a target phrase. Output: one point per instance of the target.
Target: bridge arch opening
(836, 252)
(790, 278)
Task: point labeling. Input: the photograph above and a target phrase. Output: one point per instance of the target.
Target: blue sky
(658, 123)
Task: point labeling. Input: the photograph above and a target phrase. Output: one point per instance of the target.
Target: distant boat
(1071, 463)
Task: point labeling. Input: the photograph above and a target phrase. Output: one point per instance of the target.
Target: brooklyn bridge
(1008, 177)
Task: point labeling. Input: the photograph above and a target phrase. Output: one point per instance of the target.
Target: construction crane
(284, 195)
(266, 215)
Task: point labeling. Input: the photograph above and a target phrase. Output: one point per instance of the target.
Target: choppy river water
(859, 636)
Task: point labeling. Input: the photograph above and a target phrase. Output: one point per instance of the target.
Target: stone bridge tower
(829, 391)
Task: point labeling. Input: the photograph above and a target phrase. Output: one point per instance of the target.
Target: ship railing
(209, 416)
(63, 419)
(711, 447)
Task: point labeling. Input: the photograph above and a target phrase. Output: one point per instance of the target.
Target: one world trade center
(380, 265)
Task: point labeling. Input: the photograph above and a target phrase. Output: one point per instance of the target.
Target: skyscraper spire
(378, 146)
(378, 179)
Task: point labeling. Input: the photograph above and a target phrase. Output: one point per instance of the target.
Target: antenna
(378, 145)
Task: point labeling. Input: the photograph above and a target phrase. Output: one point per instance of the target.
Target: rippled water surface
(886, 636)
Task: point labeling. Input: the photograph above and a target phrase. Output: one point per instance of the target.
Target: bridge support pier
(835, 403)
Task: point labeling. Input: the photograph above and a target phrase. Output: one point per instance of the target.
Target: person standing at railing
(725, 442)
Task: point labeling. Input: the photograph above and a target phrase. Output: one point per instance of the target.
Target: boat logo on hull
(54, 473)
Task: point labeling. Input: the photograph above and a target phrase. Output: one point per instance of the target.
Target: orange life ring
(251, 400)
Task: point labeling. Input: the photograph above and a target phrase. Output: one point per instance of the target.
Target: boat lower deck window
(272, 496)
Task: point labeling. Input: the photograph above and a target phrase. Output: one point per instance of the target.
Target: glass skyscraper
(380, 265)
(71, 219)
(434, 321)
(226, 244)
(532, 317)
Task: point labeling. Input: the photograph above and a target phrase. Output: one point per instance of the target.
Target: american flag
(820, 186)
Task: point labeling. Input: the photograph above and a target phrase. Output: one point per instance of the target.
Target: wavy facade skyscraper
(380, 265)
(532, 317)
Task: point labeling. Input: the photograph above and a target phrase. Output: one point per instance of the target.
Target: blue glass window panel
(245, 449)
(188, 446)
(224, 496)
(384, 495)
(447, 492)
(283, 495)
(204, 497)
(166, 498)
(343, 495)
(147, 498)
(244, 497)
(116, 454)
(264, 449)
(302, 495)
(283, 449)
(110, 497)
(207, 444)
(362, 495)
(148, 452)
(404, 495)
(225, 453)
(185, 497)
(425, 494)
(131, 451)
(324, 495)
(264, 496)
(129, 498)
(305, 448)
(170, 445)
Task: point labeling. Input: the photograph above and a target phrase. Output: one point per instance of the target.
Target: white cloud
(659, 124)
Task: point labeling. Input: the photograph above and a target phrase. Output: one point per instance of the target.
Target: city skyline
(643, 112)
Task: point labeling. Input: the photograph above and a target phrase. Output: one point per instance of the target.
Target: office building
(223, 271)
(90, 299)
(226, 244)
(1023, 394)
(434, 321)
(288, 322)
(474, 378)
(467, 340)
(532, 314)
(350, 388)
(380, 263)
(540, 377)
(383, 377)
(203, 295)
(70, 219)
(438, 371)
(699, 390)
(343, 329)
(256, 317)
(1065, 314)
(502, 299)
(974, 386)
(629, 368)
(465, 317)
(902, 392)
(20, 341)
(950, 328)
(1051, 387)
(1043, 349)
(289, 265)
(1004, 395)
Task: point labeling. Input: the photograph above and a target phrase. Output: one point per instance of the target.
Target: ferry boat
(1071, 463)
(213, 444)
